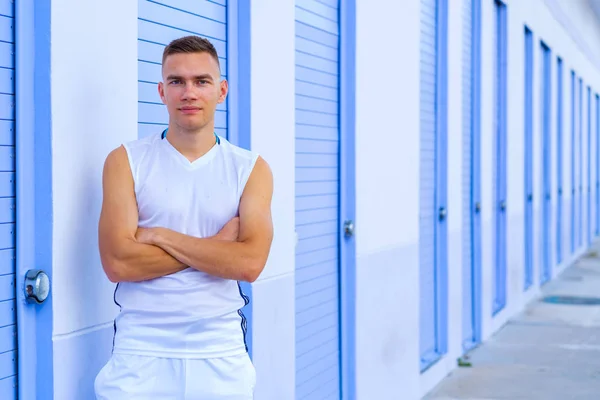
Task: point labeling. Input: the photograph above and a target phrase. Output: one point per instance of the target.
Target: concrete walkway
(549, 352)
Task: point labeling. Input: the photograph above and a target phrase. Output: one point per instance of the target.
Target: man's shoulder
(239, 154)
(142, 142)
(137, 147)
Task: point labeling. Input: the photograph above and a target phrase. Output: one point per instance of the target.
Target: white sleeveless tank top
(188, 314)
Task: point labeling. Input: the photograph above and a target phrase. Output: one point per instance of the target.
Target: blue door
(317, 200)
(528, 158)
(573, 180)
(472, 161)
(546, 100)
(500, 158)
(580, 167)
(588, 227)
(597, 165)
(559, 160)
(433, 169)
(8, 320)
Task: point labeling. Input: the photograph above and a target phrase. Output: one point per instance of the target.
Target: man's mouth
(189, 109)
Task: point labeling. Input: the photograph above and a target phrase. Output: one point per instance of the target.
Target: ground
(550, 351)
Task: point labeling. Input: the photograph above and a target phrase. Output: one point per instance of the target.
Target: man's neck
(192, 144)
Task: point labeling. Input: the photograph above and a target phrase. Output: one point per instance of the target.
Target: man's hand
(230, 231)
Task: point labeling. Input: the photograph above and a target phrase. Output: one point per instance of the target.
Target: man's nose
(189, 92)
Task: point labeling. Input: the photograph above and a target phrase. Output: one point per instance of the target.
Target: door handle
(530, 197)
(349, 228)
(442, 213)
(37, 286)
(477, 208)
(502, 205)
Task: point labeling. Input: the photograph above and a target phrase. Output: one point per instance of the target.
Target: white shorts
(129, 377)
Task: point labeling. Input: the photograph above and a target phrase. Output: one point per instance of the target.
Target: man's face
(191, 89)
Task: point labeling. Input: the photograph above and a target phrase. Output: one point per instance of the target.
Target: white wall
(387, 187)
(272, 120)
(94, 109)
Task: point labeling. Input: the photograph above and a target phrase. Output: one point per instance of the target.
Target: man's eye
(175, 82)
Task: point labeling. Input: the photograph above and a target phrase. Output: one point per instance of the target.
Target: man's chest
(192, 202)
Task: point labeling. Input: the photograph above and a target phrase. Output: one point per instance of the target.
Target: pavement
(550, 351)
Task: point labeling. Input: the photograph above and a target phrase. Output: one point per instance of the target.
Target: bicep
(256, 224)
(119, 214)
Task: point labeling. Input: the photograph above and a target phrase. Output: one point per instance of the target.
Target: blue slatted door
(528, 158)
(471, 173)
(546, 98)
(467, 274)
(317, 200)
(573, 179)
(8, 322)
(588, 163)
(500, 158)
(559, 161)
(597, 165)
(476, 173)
(580, 166)
(159, 22)
(471, 178)
(433, 227)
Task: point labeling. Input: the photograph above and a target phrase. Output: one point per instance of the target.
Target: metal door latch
(37, 286)
(349, 228)
(443, 213)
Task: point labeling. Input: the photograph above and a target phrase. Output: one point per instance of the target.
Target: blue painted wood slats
(528, 114)
(546, 101)
(559, 160)
(471, 322)
(8, 327)
(433, 182)
(580, 165)
(588, 224)
(499, 156)
(597, 107)
(573, 180)
(317, 136)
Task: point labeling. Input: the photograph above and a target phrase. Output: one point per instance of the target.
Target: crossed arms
(129, 253)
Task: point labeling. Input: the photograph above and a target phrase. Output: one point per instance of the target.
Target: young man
(185, 216)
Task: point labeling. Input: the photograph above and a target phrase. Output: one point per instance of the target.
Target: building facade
(435, 163)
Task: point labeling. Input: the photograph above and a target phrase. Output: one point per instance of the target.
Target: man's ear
(161, 91)
(224, 86)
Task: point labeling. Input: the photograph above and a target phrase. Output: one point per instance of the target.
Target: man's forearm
(139, 262)
(224, 259)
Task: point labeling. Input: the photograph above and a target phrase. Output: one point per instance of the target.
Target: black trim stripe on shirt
(244, 322)
(115, 320)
